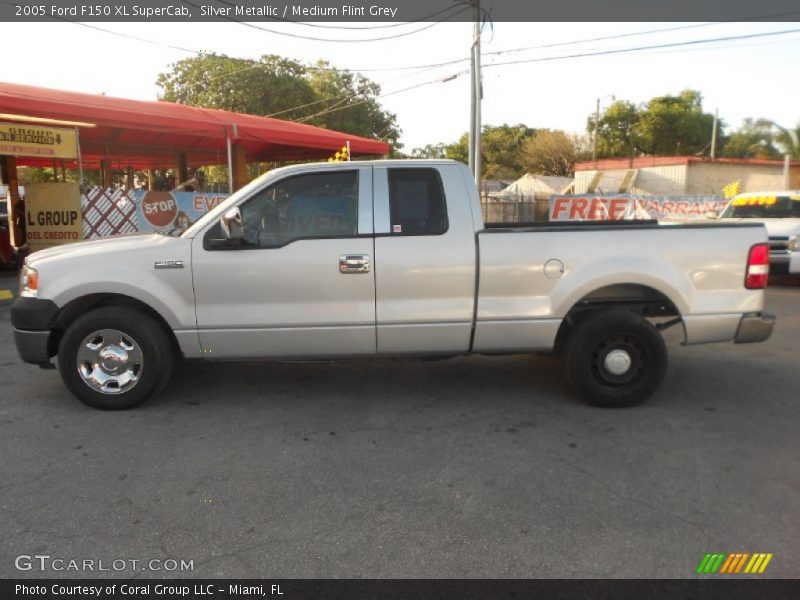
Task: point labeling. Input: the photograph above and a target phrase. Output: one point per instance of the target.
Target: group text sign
(52, 215)
(618, 207)
(38, 141)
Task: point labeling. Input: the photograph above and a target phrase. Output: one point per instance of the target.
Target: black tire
(599, 334)
(150, 341)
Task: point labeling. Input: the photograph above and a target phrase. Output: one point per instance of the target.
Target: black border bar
(407, 589)
(399, 11)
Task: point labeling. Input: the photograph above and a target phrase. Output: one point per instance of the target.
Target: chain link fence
(525, 209)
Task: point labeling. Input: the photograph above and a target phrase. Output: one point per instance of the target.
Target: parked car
(386, 258)
(780, 214)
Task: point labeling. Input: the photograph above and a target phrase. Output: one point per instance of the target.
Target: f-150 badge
(168, 264)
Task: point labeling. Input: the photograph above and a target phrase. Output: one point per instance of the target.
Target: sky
(754, 77)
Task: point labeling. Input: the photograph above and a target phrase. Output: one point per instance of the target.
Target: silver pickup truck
(386, 258)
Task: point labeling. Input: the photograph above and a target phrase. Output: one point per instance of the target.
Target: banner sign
(39, 141)
(115, 211)
(52, 215)
(617, 207)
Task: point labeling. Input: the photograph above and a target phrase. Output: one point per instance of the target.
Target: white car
(780, 214)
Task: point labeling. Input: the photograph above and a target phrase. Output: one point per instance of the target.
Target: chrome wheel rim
(110, 361)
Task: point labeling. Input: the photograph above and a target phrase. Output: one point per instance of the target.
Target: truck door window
(416, 202)
(317, 205)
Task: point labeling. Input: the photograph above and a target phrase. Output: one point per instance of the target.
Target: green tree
(320, 95)
(272, 85)
(553, 153)
(675, 125)
(754, 139)
(665, 125)
(616, 132)
(788, 140)
(350, 104)
(501, 150)
(430, 151)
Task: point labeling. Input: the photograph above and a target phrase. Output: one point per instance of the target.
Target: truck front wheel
(615, 358)
(115, 357)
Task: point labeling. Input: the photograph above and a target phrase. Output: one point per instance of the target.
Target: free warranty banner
(35, 140)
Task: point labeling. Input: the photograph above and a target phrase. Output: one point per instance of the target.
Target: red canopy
(142, 134)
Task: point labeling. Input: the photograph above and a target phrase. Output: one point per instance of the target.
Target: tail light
(755, 277)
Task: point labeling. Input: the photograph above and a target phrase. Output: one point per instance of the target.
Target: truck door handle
(354, 263)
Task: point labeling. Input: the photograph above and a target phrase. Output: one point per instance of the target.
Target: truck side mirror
(231, 224)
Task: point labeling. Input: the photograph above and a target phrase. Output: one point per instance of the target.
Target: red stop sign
(159, 208)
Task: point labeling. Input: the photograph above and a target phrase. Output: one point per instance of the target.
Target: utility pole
(787, 171)
(714, 135)
(597, 124)
(477, 94)
(596, 130)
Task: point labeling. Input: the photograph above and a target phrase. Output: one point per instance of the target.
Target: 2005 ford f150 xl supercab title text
(386, 258)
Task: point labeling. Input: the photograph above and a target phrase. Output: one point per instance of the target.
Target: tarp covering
(142, 134)
(531, 185)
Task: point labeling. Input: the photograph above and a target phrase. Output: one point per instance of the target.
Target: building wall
(696, 178)
(705, 178)
(668, 180)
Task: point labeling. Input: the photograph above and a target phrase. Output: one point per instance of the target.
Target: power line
(641, 48)
(570, 56)
(135, 38)
(407, 89)
(255, 63)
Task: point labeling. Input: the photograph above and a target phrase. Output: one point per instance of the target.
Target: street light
(597, 124)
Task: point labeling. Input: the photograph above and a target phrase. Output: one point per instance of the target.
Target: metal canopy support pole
(80, 159)
(230, 165)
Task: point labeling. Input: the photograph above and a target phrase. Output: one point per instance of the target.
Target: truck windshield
(763, 207)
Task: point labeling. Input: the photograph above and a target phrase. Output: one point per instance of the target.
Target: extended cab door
(425, 259)
(302, 283)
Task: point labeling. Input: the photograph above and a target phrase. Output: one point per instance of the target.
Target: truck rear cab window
(317, 205)
(416, 202)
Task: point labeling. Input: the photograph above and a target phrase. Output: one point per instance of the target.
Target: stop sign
(159, 208)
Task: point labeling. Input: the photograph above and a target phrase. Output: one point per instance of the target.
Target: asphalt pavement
(468, 467)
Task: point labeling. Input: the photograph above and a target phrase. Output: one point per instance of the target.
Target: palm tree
(788, 139)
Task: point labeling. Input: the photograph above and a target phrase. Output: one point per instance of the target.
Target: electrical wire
(642, 48)
(387, 94)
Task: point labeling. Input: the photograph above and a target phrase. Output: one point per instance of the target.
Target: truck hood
(775, 227)
(98, 247)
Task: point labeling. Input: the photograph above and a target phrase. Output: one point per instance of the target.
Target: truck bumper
(30, 320)
(755, 327)
(32, 346)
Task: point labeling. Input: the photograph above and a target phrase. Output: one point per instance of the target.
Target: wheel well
(80, 306)
(640, 299)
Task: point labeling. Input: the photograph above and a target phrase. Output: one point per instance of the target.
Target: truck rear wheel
(115, 357)
(615, 358)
